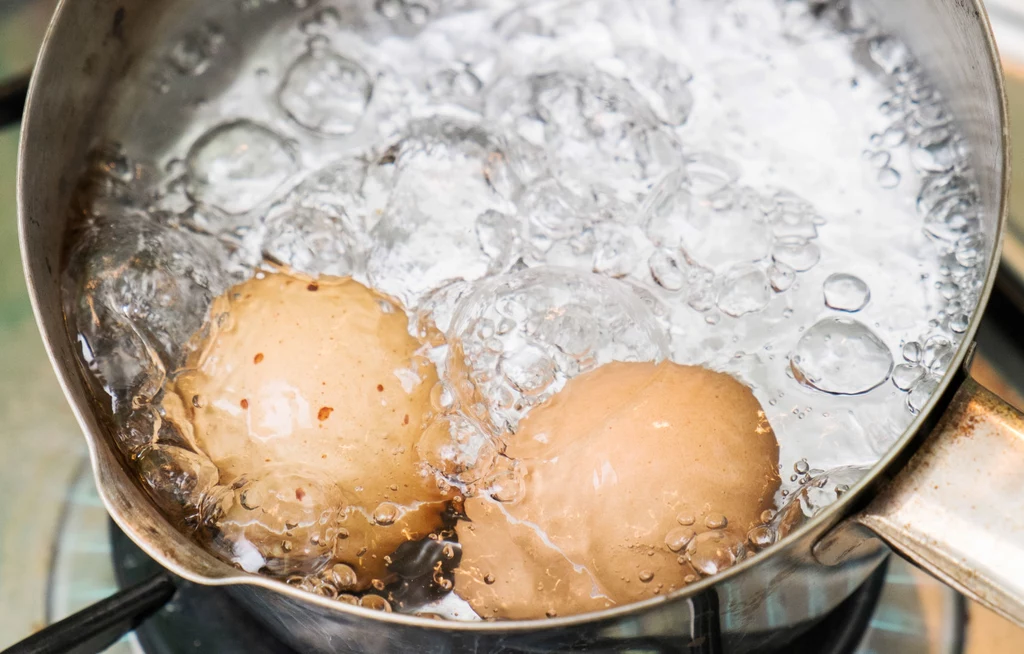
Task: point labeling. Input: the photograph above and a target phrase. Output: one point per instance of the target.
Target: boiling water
(767, 188)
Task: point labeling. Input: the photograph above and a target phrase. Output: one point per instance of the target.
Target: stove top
(59, 553)
(899, 610)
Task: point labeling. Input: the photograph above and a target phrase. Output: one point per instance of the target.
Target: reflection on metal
(1007, 18)
(957, 509)
(846, 542)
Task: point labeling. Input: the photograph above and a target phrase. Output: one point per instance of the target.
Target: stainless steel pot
(947, 495)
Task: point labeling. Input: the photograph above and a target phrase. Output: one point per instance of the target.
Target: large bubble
(517, 338)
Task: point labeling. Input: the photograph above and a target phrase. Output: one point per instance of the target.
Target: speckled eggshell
(320, 377)
(615, 463)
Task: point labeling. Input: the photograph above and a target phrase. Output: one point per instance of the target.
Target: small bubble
(615, 256)
(385, 514)
(488, 579)
(646, 576)
(417, 14)
(959, 323)
(323, 20)
(844, 292)
(970, 250)
(781, 276)
(375, 602)
(799, 254)
(528, 369)
(390, 9)
(912, 352)
(889, 178)
(194, 53)
(441, 397)
(890, 54)
(686, 519)
(160, 82)
(894, 137)
(922, 392)
(744, 289)
(935, 150)
(938, 352)
(343, 576)
(678, 538)
(505, 326)
(948, 290)
(324, 589)
(325, 92)
(666, 271)
(715, 521)
(801, 467)
(905, 375)
(713, 551)
(760, 537)
(485, 329)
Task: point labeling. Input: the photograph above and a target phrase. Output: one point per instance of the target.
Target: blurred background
(54, 546)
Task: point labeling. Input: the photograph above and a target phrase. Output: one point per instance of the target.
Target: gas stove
(898, 610)
(59, 551)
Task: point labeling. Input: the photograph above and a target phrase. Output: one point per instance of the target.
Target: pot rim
(822, 521)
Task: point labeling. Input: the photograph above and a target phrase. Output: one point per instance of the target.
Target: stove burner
(198, 619)
(899, 610)
(203, 619)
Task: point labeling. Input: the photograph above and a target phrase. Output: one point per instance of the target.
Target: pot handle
(97, 627)
(957, 508)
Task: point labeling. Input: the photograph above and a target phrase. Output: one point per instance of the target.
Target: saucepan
(946, 496)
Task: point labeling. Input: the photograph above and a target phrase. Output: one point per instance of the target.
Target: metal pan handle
(957, 508)
(97, 627)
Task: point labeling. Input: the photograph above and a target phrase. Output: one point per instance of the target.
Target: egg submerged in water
(309, 396)
(636, 478)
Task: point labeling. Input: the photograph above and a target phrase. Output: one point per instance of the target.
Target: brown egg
(310, 396)
(623, 467)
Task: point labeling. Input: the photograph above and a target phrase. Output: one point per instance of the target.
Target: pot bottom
(886, 614)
